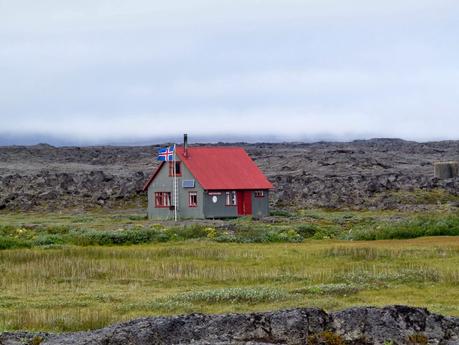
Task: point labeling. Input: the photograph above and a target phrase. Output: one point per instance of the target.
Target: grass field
(67, 286)
(79, 288)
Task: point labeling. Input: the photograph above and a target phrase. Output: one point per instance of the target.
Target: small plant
(37, 340)
(326, 338)
(232, 295)
(138, 217)
(418, 339)
(280, 213)
(340, 289)
(211, 233)
(307, 230)
(388, 342)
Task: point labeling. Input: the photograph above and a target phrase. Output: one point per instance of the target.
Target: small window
(259, 193)
(193, 199)
(162, 199)
(231, 198)
(178, 168)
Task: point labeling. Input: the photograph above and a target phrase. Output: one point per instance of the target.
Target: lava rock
(398, 325)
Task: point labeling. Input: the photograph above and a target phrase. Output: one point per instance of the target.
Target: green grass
(54, 230)
(446, 225)
(78, 288)
(78, 271)
(423, 197)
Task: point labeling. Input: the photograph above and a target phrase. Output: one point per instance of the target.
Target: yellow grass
(77, 288)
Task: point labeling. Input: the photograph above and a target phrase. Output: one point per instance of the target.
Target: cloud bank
(116, 71)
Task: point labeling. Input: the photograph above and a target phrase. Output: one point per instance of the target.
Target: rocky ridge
(358, 174)
(395, 325)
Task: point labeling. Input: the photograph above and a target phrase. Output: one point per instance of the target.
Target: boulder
(396, 325)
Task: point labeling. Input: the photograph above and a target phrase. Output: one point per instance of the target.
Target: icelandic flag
(166, 154)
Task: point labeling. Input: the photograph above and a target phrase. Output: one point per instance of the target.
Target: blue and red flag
(166, 154)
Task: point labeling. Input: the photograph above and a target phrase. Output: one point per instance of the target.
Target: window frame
(231, 198)
(171, 168)
(190, 194)
(259, 193)
(163, 197)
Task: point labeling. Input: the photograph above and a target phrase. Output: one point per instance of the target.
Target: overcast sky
(92, 71)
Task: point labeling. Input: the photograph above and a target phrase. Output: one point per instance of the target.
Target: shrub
(36, 340)
(421, 226)
(7, 229)
(138, 217)
(225, 237)
(193, 231)
(280, 213)
(418, 339)
(134, 236)
(12, 243)
(57, 229)
(330, 289)
(233, 295)
(48, 239)
(307, 230)
(211, 233)
(326, 233)
(326, 338)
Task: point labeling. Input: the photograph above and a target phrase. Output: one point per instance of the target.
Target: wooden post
(446, 170)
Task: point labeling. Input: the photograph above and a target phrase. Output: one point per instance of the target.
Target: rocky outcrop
(68, 189)
(356, 174)
(43, 176)
(394, 325)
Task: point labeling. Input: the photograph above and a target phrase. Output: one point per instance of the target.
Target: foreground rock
(390, 325)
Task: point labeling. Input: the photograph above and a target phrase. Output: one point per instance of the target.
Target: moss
(326, 338)
(37, 340)
(418, 339)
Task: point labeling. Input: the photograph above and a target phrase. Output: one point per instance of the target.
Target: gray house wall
(164, 183)
(260, 205)
(206, 207)
(218, 209)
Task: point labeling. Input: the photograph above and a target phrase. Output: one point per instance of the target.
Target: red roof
(222, 168)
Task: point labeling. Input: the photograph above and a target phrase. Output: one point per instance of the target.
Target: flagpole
(175, 186)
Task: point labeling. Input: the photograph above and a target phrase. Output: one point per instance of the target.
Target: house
(212, 182)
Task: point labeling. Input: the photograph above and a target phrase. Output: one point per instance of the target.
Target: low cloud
(96, 71)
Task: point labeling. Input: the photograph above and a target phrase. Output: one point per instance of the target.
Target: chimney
(185, 145)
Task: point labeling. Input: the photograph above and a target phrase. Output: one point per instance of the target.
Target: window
(162, 199)
(231, 198)
(178, 169)
(193, 199)
(259, 193)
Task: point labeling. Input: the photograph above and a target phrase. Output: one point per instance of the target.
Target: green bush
(138, 217)
(57, 229)
(134, 236)
(330, 289)
(421, 226)
(327, 232)
(193, 231)
(307, 230)
(12, 243)
(233, 295)
(48, 240)
(7, 229)
(280, 213)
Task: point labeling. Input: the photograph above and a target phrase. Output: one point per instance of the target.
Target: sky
(137, 71)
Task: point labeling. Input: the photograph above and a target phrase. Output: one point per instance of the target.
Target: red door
(244, 203)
